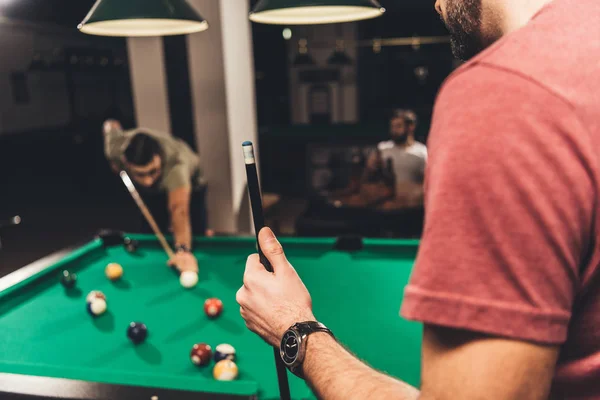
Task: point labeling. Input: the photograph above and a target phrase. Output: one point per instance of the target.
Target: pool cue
(16, 220)
(142, 206)
(259, 223)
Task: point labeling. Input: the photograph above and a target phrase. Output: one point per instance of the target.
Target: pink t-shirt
(510, 245)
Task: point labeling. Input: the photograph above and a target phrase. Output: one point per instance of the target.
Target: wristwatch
(293, 344)
(182, 248)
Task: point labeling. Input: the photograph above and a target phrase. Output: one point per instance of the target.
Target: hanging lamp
(307, 12)
(339, 56)
(303, 59)
(131, 18)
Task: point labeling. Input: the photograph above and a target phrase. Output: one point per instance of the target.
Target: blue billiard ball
(96, 307)
(224, 352)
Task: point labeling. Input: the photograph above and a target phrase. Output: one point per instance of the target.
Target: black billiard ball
(68, 279)
(137, 332)
(131, 245)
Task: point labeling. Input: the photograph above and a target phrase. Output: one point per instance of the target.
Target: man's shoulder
(417, 149)
(552, 51)
(385, 145)
(150, 132)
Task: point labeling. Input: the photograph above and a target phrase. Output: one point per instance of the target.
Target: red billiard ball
(213, 307)
(201, 354)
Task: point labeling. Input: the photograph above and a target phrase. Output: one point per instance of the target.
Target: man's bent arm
(456, 365)
(179, 209)
(334, 374)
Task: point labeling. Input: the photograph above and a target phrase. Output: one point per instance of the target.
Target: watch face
(290, 346)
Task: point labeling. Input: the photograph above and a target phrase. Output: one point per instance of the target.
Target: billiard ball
(201, 354)
(213, 307)
(188, 279)
(97, 307)
(224, 351)
(137, 332)
(225, 370)
(68, 279)
(93, 295)
(113, 271)
(130, 245)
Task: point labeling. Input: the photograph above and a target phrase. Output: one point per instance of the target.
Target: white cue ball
(188, 279)
(98, 306)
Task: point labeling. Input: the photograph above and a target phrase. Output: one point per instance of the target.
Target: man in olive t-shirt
(159, 163)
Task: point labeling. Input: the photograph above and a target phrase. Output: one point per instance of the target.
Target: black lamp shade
(339, 58)
(307, 12)
(303, 60)
(131, 18)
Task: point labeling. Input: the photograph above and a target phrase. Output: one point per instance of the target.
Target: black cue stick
(259, 223)
(16, 220)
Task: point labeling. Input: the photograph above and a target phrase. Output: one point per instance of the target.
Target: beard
(400, 139)
(463, 20)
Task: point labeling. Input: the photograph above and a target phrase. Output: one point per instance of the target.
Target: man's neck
(409, 142)
(514, 14)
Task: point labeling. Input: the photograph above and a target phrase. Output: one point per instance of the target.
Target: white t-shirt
(408, 162)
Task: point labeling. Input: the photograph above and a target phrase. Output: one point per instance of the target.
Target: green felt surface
(46, 331)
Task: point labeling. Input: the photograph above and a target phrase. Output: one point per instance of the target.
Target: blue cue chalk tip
(247, 143)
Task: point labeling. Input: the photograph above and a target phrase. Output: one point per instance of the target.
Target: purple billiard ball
(224, 351)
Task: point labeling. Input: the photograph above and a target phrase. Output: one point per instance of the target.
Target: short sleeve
(509, 197)
(114, 141)
(177, 177)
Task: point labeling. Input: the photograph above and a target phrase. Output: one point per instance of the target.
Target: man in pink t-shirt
(507, 279)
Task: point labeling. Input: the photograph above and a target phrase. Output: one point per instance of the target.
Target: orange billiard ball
(225, 370)
(113, 271)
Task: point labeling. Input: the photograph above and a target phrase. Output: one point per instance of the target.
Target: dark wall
(402, 76)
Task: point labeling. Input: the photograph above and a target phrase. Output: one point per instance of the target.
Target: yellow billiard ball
(113, 271)
(225, 370)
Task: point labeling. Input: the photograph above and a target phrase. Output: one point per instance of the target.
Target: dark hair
(142, 149)
(408, 116)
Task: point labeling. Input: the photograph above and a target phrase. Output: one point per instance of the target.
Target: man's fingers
(255, 271)
(252, 259)
(272, 249)
(240, 297)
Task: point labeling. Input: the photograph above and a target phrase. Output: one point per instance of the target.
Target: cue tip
(248, 153)
(127, 181)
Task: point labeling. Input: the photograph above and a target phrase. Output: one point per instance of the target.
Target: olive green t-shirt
(181, 166)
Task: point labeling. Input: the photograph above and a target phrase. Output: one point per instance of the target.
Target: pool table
(50, 347)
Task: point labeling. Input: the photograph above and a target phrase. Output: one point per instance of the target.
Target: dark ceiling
(61, 12)
(71, 12)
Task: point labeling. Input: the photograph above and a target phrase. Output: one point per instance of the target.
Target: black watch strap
(182, 248)
(305, 329)
(308, 327)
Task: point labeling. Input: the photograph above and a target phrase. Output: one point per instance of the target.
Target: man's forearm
(182, 228)
(334, 374)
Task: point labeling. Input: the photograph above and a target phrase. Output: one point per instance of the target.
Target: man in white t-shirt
(407, 156)
(401, 160)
